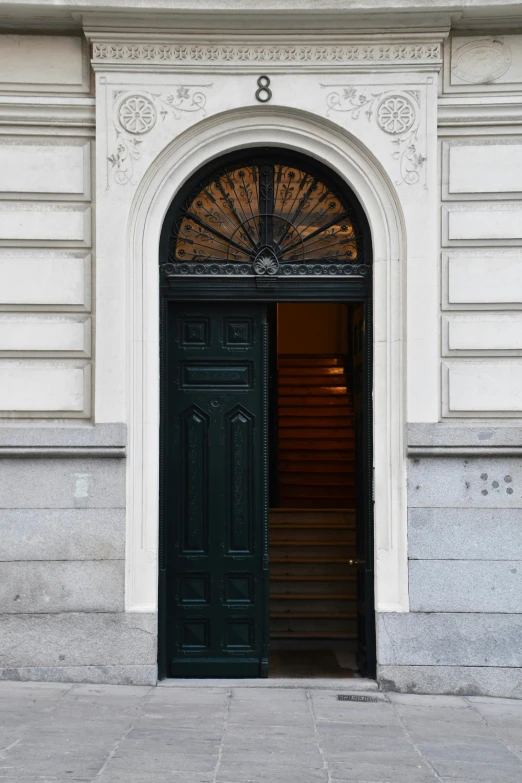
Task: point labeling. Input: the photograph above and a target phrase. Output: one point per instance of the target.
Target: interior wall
(312, 328)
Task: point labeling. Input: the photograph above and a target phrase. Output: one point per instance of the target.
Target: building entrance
(266, 542)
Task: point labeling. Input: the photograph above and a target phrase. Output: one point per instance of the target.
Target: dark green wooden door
(214, 475)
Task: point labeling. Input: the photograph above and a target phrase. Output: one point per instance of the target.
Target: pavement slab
(52, 733)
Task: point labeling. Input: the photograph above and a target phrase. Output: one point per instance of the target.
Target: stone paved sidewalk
(108, 734)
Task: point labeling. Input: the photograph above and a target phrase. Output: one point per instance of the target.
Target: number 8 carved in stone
(264, 93)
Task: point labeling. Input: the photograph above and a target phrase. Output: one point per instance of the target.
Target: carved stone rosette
(396, 113)
(137, 114)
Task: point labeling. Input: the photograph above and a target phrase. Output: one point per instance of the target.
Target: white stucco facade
(105, 112)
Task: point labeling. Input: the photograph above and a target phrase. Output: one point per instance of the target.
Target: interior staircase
(316, 433)
(312, 532)
(312, 585)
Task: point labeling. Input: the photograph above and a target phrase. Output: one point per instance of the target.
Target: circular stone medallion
(395, 114)
(481, 61)
(137, 114)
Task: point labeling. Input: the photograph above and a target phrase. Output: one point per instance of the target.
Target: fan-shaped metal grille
(265, 218)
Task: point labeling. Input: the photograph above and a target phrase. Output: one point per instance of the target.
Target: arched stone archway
(346, 156)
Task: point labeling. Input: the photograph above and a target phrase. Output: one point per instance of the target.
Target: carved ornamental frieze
(117, 53)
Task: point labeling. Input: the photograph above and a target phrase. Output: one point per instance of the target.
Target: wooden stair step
(285, 360)
(341, 513)
(286, 391)
(346, 561)
(335, 455)
(345, 516)
(332, 501)
(296, 409)
(303, 465)
(300, 541)
(333, 491)
(313, 635)
(319, 480)
(311, 423)
(346, 433)
(320, 401)
(310, 372)
(329, 381)
(312, 577)
(314, 445)
(311, 596)
(310, 526)
(295, 374)
(343, 606)
(310, 542)
(311, 504)
(313, 615)
(312, 391)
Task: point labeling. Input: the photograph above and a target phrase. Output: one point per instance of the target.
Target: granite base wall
(456, 680)
(62, 550)
(62, 560)
(463, 633)
(95, 647)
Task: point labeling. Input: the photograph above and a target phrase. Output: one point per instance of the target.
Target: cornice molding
(52, 112)
(464, 451)
(111, 452)
(454, 112)
(364, 55)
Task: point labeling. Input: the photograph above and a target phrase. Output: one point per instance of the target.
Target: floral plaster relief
(137, 114)
(396, 113)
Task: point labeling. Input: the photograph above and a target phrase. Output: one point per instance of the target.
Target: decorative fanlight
(265, 218)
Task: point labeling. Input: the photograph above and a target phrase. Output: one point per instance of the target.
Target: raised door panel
(240, 512)
(194, 479)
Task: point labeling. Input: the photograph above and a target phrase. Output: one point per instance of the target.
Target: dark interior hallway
(312, 521)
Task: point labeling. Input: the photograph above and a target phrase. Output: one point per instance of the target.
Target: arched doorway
(243, 435)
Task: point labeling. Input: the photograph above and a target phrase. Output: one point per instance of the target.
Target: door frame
(388, 215)
(277, 290)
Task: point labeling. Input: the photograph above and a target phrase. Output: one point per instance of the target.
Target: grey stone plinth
(480, 482)
(415, 639)
(464, 534)
(62, 483)
(63, 586)
(77, 639)
(62, 534)
(108, 675)
(458, 680)
(465, 586)
(453, 434)
(71, 435)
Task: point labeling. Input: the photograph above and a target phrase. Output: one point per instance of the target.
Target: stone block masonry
(463, 633)
(62, 560)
